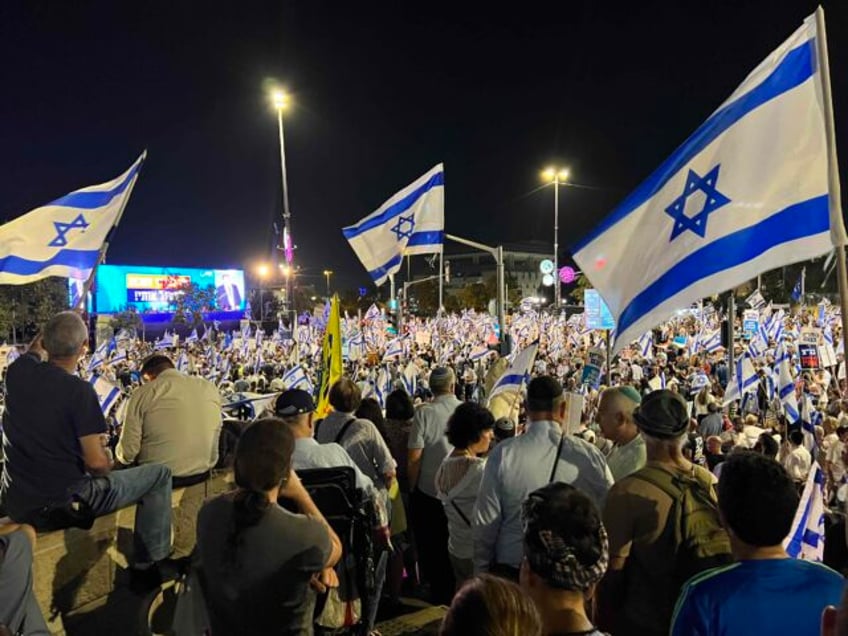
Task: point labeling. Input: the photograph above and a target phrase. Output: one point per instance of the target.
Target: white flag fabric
(64, 238)
(746, 193)
(410, 222)
(517, 372)
(107, 392)
(806, 538)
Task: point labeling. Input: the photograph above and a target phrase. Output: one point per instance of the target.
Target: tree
(192, 302)
(128, 318)
(580, 286)
(25, 308)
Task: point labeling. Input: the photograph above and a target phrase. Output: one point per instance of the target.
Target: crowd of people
(654, 498)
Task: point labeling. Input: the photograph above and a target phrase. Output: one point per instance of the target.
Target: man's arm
(97, 461)
(415, 448)
(382, 455)
(129, 444)
(486, 518)
(295, 491)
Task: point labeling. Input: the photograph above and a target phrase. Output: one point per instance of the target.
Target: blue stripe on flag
(93, 200)
(796, 68)
(396, 209)
(383, 270)
(80, 259)
(515, 378)
(426, 238)
(806, 218)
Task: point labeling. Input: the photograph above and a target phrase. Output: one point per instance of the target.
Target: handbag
(190, 615)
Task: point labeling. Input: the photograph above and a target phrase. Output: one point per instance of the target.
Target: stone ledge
(75, 568)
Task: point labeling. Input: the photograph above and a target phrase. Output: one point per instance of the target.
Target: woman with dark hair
(399, 414)
(369, 409)
(566, 554)
(259, 563)
(490, 606)
(470, 431)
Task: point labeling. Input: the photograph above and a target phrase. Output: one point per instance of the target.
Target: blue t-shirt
(770, 596)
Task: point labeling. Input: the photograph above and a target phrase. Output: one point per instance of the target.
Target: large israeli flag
(746, 193)
(410, 222)
(806, 537)
(64, 237)
(517, 373)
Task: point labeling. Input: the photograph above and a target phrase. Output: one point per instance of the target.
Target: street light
(328, 273)
(262, 270)
(556, 176)
(281, 101)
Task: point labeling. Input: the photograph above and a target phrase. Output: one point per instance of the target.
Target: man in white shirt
(796, 459)
(518, 466)
(615, 417)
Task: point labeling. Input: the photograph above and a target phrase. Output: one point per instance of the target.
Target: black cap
(662, 414)
(294, 402)
(542, 392)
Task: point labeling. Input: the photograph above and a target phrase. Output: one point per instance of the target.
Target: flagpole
(80, 306)
(834, 189)
(441, 280)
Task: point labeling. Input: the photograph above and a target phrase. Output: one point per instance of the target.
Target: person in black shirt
(54, 443)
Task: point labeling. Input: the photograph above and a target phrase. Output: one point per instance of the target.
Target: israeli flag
(646, 345)
(711, 342)
(107, 392)
(165, 342)
(806, 537)
(64, 238)
(410, 222)
(192, 337)
(394, 349)
(517, 373)
(410, 378)
(120, 356)
(786, 385)
(746, 193)
(479, 353)
(745, 380)
(182, 362)
(296, 378)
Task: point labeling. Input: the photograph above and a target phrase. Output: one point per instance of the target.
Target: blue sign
(598, 315)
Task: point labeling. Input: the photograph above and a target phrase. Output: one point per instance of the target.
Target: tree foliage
(128, 318)
(25, 308)
(192, 303)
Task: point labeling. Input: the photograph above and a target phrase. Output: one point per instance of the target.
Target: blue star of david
(714, 200)
(404, 226)
(62, 230)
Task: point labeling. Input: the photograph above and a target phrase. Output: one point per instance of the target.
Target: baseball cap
(662, 414)
(294, 402)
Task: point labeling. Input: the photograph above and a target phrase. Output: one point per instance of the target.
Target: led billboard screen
(156, 288)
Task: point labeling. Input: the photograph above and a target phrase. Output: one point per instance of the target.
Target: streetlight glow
(556, 176)
(549, 174)
(262, 270)
(280, 99)
(285, 270)
(563, 175)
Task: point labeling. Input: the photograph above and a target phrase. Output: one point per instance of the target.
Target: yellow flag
(331, 359)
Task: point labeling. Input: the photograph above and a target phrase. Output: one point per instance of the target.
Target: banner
(331, 359)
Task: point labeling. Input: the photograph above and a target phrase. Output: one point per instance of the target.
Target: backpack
(700, 541)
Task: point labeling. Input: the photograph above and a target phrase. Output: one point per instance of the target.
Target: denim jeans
(147, 486)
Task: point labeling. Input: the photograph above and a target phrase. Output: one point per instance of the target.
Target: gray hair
(64, 334)
(441, 380)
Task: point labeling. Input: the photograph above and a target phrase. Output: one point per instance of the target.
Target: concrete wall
(75, 570)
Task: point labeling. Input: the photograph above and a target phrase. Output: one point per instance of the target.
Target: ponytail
(248, 508)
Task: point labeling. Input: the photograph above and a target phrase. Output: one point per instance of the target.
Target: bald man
(615, 417)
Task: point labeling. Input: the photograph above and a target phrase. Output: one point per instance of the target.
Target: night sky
(382, 92)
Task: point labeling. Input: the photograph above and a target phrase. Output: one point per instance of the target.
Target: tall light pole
(262, 270)
(281, 101)
(328, 273)
(556, 176)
